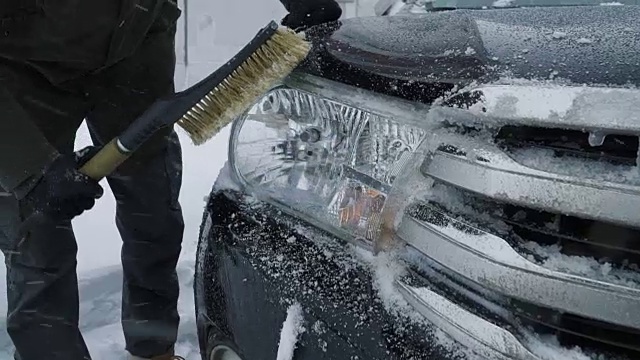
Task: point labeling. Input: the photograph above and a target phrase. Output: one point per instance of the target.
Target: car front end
(468, 193)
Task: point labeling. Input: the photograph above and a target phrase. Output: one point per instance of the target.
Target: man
(106, 61)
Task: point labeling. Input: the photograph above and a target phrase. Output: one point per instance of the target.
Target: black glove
(64, 192)
(307, 13)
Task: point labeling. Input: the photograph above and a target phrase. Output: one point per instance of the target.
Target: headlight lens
(332, 163)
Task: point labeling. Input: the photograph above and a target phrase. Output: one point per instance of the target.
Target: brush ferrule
(123, 149)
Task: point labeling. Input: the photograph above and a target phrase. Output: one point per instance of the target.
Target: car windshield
(466, 4)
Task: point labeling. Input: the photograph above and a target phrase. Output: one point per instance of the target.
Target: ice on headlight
(328, 161)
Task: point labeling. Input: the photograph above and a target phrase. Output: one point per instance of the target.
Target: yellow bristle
(272, 62)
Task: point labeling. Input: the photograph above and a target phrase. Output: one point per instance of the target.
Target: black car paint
(242, 297)
(421, 57)
(255, 260)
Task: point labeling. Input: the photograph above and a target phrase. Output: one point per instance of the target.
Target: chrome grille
(593, 314)
(491, 262)
(523, 225)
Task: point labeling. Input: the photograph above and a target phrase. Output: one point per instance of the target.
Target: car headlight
(328, 162)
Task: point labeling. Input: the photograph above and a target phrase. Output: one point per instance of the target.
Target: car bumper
(253, 262)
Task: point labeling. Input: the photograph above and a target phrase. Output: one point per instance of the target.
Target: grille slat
(578, 237)
(485, 169)
(571, 330)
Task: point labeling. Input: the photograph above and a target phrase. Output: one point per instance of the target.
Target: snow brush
(206, 107)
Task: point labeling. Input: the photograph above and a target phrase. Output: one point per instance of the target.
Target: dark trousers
(42, 317)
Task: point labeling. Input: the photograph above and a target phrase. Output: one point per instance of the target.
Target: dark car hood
(584, 45)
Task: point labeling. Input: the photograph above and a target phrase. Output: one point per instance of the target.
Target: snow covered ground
(216, 30)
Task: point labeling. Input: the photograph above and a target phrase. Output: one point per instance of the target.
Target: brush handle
(105, 161)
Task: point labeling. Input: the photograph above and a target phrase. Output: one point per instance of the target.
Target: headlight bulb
(311, 135)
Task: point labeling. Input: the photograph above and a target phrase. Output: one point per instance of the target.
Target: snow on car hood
(584, 45)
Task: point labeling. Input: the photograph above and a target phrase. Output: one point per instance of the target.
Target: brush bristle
(271, 63)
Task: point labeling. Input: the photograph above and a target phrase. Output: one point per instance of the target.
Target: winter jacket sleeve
(290, 4)
(308, 13)
(287, 4)
(24, 151)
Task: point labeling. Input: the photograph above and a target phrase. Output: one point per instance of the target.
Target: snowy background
(216, 30)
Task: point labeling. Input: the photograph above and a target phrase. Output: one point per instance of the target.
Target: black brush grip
(168, 110)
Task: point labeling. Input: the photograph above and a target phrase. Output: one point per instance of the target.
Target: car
(453, 179)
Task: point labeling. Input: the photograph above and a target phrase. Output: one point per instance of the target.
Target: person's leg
(146, 188)
(42, 293)
(149, 219)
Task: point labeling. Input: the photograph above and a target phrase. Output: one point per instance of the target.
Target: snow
(541, 102)
(549, 348)
(386, 269)
(554, 259)
(292, 328)
(217, 29)
(559, 35)
(585, 41)
(225, 179)
(502, 3)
